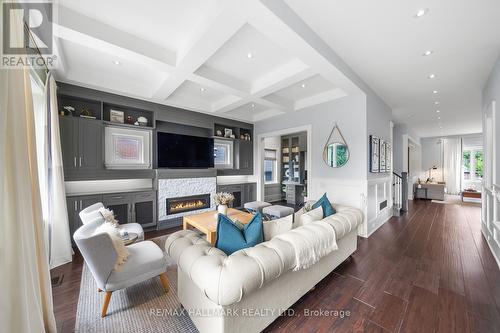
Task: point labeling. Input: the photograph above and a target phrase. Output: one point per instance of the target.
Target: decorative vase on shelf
(222, 209)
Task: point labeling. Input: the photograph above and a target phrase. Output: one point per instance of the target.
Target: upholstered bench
(277, 211)
(256, 206)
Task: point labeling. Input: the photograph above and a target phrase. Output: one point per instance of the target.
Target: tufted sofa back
(227, 279)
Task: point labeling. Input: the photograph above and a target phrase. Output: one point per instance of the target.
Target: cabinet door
(68, 129)
(246, 157)
(120, 204)
(83, 202)
(250, 193)
(90, 144)
(72, 205)
(144, 209)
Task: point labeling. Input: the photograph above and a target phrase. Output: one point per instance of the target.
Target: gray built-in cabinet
(138, 207)
(82, 143)
(243, 193)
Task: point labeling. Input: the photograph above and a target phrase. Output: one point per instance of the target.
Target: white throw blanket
(311, 242)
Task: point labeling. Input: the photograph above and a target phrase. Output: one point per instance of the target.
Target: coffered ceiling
(232, 58)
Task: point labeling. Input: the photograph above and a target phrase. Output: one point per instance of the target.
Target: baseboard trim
(384, 216)
(488, 235)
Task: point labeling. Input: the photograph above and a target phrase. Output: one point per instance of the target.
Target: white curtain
(60, 251)
(26, 297)
(452, 164)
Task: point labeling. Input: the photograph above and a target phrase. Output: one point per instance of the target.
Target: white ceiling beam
(281, 25)
(209, 37)
(282, 77)
(323, 97)
(91, 33)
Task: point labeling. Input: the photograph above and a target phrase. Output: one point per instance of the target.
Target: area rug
(144, 307)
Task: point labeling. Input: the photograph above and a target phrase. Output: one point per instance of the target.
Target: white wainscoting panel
(379, 190)
(490, 224)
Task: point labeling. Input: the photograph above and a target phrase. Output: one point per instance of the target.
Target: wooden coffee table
(207, 222)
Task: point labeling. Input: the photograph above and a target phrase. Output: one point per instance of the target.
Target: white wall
(490, 224)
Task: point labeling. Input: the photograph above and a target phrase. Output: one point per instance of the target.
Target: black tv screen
(184, 151)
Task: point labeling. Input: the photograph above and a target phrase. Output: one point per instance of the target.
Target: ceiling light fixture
(434, 92)
(436, 103)
(303, 85)
(421, 12)
(431, 76)
(202, 89)
(249, 55)
(427, 53)
(437, 111)
(252, 105)
(439, 117)
(116, 62)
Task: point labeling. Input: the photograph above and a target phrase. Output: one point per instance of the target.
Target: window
(223, 154)
(270, 166)
(472, 168)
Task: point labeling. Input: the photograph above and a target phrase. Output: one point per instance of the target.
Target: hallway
(427, 271)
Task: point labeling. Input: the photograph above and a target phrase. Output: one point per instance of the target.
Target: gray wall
(378, 116)
(431, 153)
(349, 113)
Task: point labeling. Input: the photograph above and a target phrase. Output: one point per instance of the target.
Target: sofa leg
(164, 281)
(107, 298)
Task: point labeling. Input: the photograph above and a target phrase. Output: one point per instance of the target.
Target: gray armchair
(146, 261)
(91, 213)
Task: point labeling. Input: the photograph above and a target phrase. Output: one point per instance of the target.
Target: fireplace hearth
(187, 204)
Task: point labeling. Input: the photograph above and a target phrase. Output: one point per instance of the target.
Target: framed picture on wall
(388, 154)
(374, 153)
(382, 166)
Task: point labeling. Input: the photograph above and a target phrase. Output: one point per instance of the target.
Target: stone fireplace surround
(183, 187)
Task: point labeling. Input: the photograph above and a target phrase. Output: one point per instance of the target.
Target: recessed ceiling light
(427, 53)
(202, 89)
(439, 117)
(437, 111)
(431, 76)
(434, 91)
(252, 105)
(116, 62)
(249, 55)
(421, 12)
(436, 103)
(303, 85)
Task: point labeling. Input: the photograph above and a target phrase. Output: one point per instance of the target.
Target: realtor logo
(37, 16)
(27, 35)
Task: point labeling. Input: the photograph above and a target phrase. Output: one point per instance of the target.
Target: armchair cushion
(146, 260)
(91, 213)
(114, 234)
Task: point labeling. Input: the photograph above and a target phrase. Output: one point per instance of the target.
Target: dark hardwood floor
(429, 270)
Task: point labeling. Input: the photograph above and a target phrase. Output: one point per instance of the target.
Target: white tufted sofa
(248, 290)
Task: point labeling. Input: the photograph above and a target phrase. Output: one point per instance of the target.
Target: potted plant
(222, 200)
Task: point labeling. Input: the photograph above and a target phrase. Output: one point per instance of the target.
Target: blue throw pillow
(326, 205)
(231, 239)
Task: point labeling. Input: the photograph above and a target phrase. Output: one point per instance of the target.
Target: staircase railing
(400, 191)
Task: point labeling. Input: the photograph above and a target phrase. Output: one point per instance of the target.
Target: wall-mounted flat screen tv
(184, 151)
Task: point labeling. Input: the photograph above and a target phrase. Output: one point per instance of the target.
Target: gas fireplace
(186, 204)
